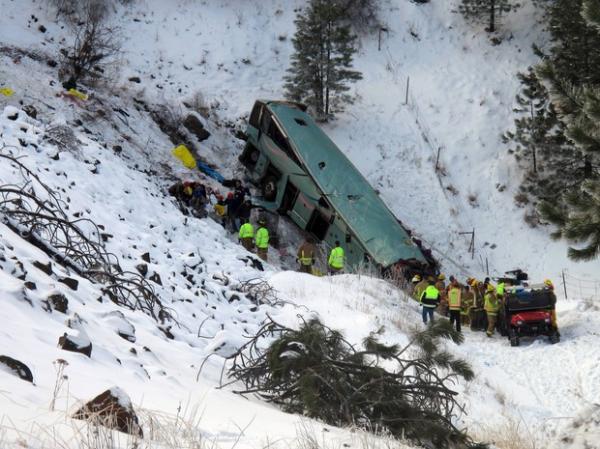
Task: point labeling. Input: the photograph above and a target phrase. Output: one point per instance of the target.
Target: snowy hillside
(111, 163)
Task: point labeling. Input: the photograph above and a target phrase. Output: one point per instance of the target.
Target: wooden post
(437, 159)
(564, 284)
(487, 267)
(473, 245)
(407, 87)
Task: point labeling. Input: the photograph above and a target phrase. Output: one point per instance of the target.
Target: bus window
(255, 115)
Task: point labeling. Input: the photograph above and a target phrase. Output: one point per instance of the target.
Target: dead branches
(38, 214)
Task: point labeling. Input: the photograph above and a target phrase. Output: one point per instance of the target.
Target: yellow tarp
(75, 93)
(182, 153)
(7, 91)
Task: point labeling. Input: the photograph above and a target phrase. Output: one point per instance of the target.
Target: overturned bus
(304, 175)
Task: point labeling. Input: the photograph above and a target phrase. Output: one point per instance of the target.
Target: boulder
(59, 302)
(196, 127)
(156, 278)
(75, 344)
(142, 268)
(16, 367)
(46, 268)
(146, 257)
(112, 409)
(70, 282)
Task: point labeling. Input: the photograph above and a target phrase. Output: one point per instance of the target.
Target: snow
(231, 52)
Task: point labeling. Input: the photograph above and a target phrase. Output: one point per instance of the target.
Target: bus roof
(350, 194)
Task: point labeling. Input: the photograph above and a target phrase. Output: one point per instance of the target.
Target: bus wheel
(269, 188)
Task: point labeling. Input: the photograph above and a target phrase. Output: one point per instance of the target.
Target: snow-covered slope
(119, 165)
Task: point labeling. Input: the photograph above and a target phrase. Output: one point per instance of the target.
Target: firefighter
(454, 303)
(306, 256)
(466, 304)
(420, 288)
(246, 235)
(336, 259)
(491, 306)
(548, 283)
(262, 239)
(443, 303)
(429, 300)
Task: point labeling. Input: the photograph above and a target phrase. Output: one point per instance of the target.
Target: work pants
(262, 253)
(428, 312)
(455, 318)
(305, 268)
(492, 317)
(333, 270)
(247, 243)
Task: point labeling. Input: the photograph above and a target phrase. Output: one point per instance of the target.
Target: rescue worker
(420, 288)
(413, 283)
(306, 256)
(466, 304)
(246, 235)
(336, 259)
(429, 300)
(500, 288)
(491, 306)
(454, 303)
(548, 283)
(262, 239)
(441, 286)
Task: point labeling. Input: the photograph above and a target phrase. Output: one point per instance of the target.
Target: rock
(30, 110)
(117, 321)
(46, 268)
(75, 344)
(13, 117)
(196, 127)
(142, 268)
(30, 285)
(15, 367)
(59, 302)
(52, 63)
(70, 282)
(117, 148)
(135, 79)
(146, 257)
(167, 332)
(112, 409)
(156, 278)
(42, 28)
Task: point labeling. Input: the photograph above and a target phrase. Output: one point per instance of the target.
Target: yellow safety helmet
(549, 283)
(490, 288)
(416, 278)
(441, 277)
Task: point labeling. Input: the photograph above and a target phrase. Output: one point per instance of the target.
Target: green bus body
(304, 175)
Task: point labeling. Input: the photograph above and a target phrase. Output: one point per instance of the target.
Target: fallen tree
(401, 390)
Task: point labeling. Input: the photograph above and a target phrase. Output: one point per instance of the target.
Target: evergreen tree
(321, 66)
(575, 53)
(578, 219)
(551, 163)
(482, 10)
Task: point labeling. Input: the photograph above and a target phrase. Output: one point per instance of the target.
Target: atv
(528, 311)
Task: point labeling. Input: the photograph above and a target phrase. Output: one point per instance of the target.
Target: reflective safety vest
(262, 238)
(500, 289)
(336, 258)
(430, 297)
(492, 304)
(246, 231)
(454, 296)
(305, 260)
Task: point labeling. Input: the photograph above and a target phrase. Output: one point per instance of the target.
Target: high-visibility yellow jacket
(336, 258)
(430, 297)
(500, 288)
(246, 231)
(492, 304)
(262, 238)
(454, 297)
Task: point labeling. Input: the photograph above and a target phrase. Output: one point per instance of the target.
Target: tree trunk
(328, 73)
(492, 27)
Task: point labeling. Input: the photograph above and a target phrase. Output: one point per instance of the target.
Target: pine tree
(321, 66)
(481, 10)
(578, 219)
